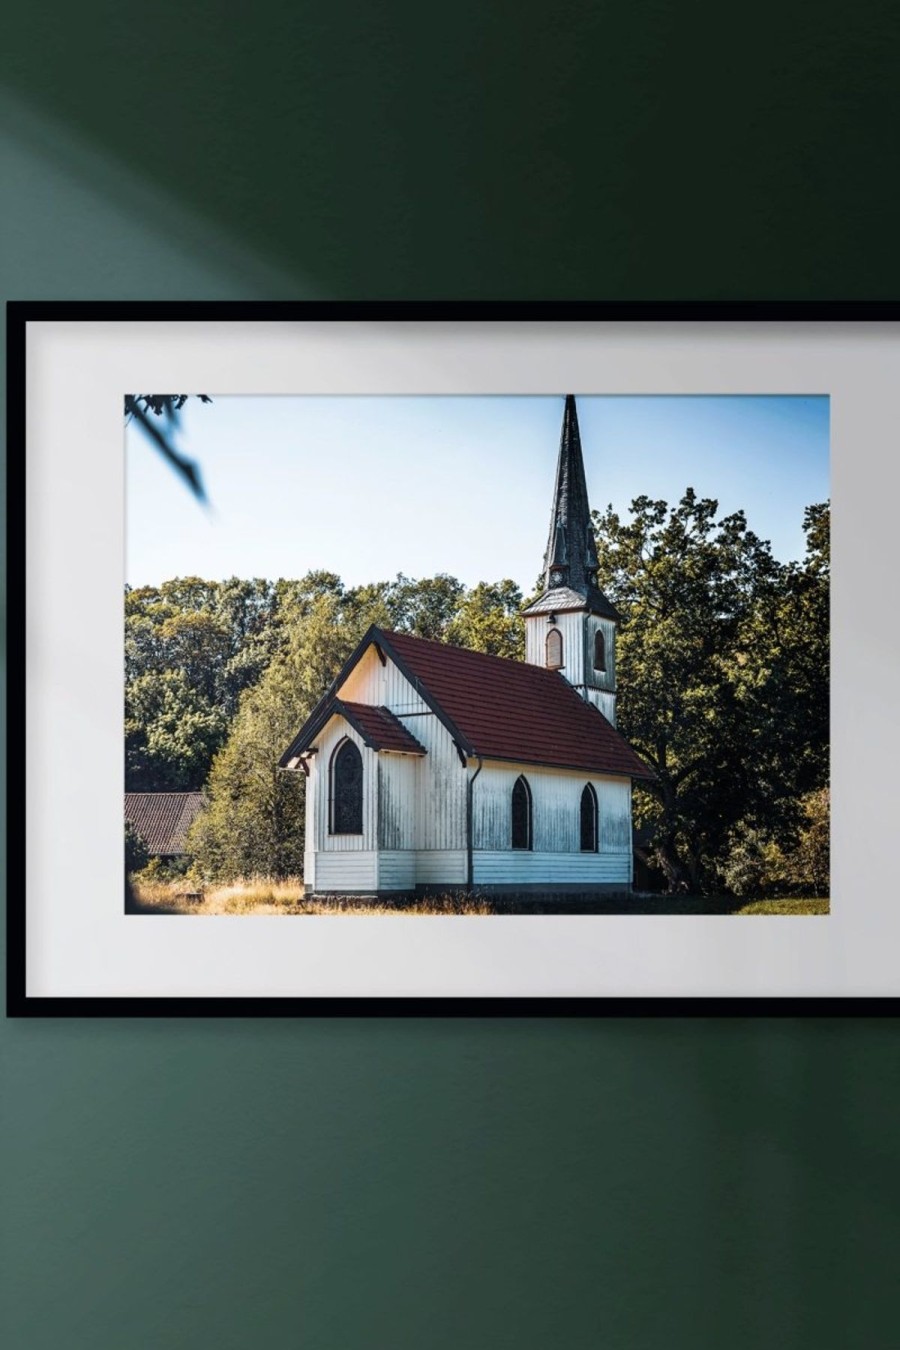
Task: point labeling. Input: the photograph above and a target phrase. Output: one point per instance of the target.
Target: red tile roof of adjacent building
(162, 819)
(511, 710)
(379, 727)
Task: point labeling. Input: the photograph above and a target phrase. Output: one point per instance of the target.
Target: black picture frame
(19, 315)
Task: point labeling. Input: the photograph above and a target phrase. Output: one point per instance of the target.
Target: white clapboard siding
(396, 870)
(556, 809)
(350, 872)
(561, 869)
(441, 867)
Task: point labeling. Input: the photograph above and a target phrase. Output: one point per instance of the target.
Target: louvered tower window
(554, 649)
(599, 650)
(346, 789)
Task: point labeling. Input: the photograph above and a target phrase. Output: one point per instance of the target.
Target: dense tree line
(723, 669)
(723, 675)
(196, 650)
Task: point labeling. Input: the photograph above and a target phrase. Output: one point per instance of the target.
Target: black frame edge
(21, 312)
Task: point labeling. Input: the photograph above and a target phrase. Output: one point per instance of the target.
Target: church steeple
(571, 626)
(570, 559)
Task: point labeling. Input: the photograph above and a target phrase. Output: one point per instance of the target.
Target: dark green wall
(630, 1186)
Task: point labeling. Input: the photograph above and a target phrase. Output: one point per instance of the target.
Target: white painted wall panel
(556, 802)
(309, 836)
(527, 868)
(414, 807)
(577, 631)
(348, 871)
(441, 867)
(381, 685)
(396, 870)
(331, 736)
(397, 792)
(441, 788)
(605, 701)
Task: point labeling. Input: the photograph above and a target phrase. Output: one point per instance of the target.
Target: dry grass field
(262, 895)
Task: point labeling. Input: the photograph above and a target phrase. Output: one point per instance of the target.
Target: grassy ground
(261, 895)
(792, 906)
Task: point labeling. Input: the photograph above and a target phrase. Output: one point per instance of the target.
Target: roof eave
(572, 768)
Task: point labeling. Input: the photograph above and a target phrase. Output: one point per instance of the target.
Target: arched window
(599, 650)
(346, 789)
(588, 820)
(554, 649)
(521, 814)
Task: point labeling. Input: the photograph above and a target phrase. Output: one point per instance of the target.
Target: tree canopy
(722, 675)
(722, 671)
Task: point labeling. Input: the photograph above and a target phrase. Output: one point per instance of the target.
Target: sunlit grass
(788, 906)
(264, 895)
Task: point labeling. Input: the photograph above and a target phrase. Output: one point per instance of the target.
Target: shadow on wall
(55, 181)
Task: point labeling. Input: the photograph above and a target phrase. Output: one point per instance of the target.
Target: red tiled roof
(162, 819)
(509, 710)
(379, 727)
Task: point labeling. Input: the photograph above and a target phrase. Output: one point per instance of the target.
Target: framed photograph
(452, 658)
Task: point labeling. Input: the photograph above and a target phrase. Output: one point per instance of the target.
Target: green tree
(489, 619)
(136, 854)
(708, 664)
(253, 823)
(424, 608)
(171, 733)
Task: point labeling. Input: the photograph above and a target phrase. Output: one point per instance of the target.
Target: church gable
(433, 765)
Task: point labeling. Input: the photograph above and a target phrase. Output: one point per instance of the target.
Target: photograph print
(483, 656)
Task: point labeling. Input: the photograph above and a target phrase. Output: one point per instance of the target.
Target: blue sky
(368, 487)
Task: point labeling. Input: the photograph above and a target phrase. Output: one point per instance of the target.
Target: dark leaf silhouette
(143, 408)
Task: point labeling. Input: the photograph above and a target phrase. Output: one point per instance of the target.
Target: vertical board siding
(577, 631)
(441, 788)
(602, 679)
(333, 733)
(428, 810)
(397, 780)
(556, 801)
(414, 807)
(605, 701)
(381, 685)
(309, 845)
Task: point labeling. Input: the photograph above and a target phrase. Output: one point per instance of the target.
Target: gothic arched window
(588, 820)
(554, 649)
(346, 789)
(521, 814)
(599, 650)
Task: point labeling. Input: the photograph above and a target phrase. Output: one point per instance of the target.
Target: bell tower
(571, 626)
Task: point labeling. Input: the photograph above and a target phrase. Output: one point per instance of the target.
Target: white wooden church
(431, 767)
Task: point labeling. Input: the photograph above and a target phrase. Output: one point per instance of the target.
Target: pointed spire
(570, 559)
(571, 555)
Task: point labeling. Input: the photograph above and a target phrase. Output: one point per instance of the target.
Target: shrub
(136, 855)
(760, 865)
